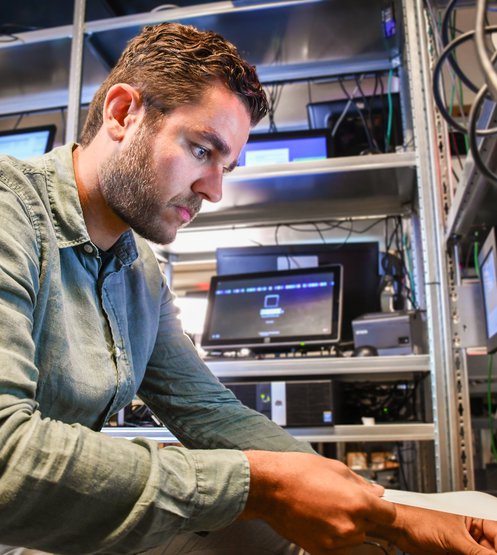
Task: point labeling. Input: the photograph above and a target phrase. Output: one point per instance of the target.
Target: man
(87, 321)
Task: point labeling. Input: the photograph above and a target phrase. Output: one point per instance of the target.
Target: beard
(129, 185)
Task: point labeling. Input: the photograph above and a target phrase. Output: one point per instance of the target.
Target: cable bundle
(486, 92)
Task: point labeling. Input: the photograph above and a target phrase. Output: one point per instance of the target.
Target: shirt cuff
(223, 481)
(220, 490)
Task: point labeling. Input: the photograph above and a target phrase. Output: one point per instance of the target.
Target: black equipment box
(296, 403)
(391, 333)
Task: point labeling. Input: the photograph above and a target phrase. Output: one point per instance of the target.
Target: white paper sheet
(468, 503)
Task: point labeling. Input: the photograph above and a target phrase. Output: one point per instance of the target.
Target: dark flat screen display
(281, 309)
(360, 262)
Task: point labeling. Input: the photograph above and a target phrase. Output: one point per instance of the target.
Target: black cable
(274, 96)
(446, 41)
(437, 71)
(18, 121)
(384, 111)
(486, 61)
(401, 467)
(367, 106)
(367, 131)
(8, 31)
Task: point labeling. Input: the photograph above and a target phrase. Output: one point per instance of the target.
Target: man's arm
(65, 488)
(318, 503)
(321, 505)
(194, 405)
(421, 531)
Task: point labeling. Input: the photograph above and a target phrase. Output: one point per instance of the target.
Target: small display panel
(274, 310)
(488, 273)
(281, 148)
(28, 142)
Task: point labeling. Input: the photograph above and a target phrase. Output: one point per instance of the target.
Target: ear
(122, 110)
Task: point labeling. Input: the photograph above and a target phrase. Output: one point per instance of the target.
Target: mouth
(185, 214)
(186, 209)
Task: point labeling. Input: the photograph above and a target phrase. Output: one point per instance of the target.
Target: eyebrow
(219, 145)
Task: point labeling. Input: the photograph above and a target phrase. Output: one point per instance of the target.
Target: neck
(103, 224)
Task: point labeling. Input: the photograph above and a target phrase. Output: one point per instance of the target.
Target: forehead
(219, 109)
(217, 105)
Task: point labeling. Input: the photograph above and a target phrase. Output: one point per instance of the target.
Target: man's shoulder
(22, 178)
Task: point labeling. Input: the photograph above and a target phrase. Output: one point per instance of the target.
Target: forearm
(198, 409)
(322, 506)
(419, 531)
(315, 502)
(67, 489)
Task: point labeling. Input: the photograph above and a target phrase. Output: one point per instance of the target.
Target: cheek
(173, 176)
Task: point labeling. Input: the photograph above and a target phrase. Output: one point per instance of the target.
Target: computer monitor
(276, 311)
(27, 142)
(487, 261)
(350, 137)
(284, 147)
(360, 262)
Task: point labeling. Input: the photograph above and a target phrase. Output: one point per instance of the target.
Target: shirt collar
(67, 214)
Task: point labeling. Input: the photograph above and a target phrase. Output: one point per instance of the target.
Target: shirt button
(88, 248)
(117, 352)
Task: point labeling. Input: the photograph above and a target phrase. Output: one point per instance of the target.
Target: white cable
(163, 7)
(481, 50)
(347, 106)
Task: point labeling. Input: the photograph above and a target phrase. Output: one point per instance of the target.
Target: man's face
(157, 182)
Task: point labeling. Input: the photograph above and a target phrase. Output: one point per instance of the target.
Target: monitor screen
(360, 262)
(274, 310)
(488, 273)
(28, 142)
(281, 148)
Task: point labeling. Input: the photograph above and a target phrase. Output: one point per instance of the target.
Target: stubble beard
(130, 188)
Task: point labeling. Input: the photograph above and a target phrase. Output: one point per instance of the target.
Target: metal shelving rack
(391, 183)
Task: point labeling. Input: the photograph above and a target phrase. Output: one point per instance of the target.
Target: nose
(210, 185)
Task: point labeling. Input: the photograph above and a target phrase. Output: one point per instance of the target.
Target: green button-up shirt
(78, 340)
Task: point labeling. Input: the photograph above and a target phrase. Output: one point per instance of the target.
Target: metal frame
(448, 467)
(449, 473)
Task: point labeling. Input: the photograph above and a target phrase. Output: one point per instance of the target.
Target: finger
(474, 527)
(489, 528)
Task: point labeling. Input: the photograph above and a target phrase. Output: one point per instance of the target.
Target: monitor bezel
(277, 343)
(488, 248)
(50, 128)
(360, 261)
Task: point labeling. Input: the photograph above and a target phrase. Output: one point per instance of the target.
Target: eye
(200, 152)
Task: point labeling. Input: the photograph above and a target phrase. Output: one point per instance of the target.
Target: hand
(483, 531)
(317, 503)
(426, 532)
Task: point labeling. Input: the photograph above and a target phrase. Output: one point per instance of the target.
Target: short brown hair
(172, 64)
